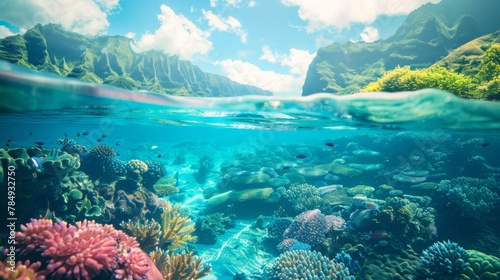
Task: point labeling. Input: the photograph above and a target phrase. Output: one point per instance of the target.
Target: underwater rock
(408, 179)
(361, 189)
(361, 218)
(269, 171)
(251, 194)
(365, 153)
(249, 179)
(279, 181)
(312, 172)
(330, 177)
(156, 170)
(348, 171)
(366, 166)
(328, 189)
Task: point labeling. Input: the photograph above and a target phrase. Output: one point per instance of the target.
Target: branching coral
(473, 197)
(444, 260)
(84, 250)
(147, 233)
(174, 230)
(22, 271)
(181, 266)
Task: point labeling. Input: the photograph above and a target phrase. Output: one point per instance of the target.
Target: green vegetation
(484, 84)
(111, 60)
(453, 34)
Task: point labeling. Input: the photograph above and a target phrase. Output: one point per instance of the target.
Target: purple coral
(308, 227)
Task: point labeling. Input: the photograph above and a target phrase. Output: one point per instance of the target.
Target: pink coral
(85, 250)
(308, 227)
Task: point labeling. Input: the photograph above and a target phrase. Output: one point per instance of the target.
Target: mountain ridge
(427, 35)
(111, 60)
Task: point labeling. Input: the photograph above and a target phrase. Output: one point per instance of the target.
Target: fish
(39, 148)
(30, 133)
(66, 139)
(119, 142)
(54, 153)
(485, 144)
(8, 143)
(160, 155)
(78, 134)
(100, 139)
(39, 143)
(35, 163)
(85, 133)
(300, 156)
(330, 144)
(104, 135)
(154, 147)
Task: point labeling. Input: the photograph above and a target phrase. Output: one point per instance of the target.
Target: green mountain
(427, 35)
(111, 60)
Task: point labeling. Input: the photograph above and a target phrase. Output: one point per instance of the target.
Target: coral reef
(208, 227)
(205, 165)
(303, 197)
(309, 227)
(184, 265)
(445, 260)
(22, 271)
(303, 264)
(473, 197)
(84, 250)
(174, 230)
(156, 170)
(482, 266)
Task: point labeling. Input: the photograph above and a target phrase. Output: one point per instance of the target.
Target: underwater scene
(100, 182)
(250, 140)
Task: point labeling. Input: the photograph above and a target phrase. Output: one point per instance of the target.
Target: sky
(264, 43)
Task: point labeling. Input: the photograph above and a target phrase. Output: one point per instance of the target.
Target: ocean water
(405, 170)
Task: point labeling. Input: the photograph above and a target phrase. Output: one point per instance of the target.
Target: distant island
(452, 45)
(111, 60)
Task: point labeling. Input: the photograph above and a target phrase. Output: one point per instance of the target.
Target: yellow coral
(181, 266)
(148, 234)
(176, 228)
(252, 194)
(137, 165)
(24, 271)
(163, 190)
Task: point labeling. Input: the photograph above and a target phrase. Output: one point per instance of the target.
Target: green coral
(361, 189)
(482, 266)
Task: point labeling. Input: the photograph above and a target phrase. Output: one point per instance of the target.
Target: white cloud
(370, 34)
(246, 73)
(176, 35)
(230, 24)
(88, 17)
(233, 3)
(267, 54)
(250, 74)
(322, 14)
(297, 60)
(130, 35)
(5, 32)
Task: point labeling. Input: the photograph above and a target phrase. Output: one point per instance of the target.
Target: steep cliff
(111, 60)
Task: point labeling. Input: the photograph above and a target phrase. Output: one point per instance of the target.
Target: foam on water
(25, 95)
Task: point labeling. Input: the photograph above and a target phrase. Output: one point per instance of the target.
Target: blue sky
(265, 43)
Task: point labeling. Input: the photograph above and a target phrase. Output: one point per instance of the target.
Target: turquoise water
(391, 143)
